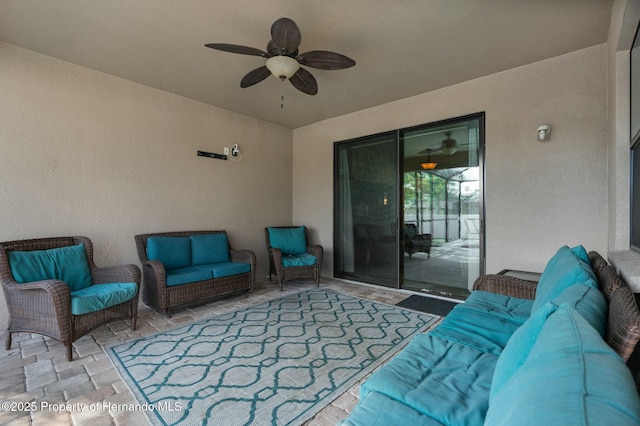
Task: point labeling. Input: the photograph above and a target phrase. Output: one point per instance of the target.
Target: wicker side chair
(278, 261)
(44, 307)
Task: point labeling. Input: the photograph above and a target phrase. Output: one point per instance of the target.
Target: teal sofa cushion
(290, 241)
(172, 252)
(581, 254)
(589, 302)
(377, 409)
(209, 248)
(438, 378)
(68, 264)
(571, 377)
(519, 346)
(304, 259)
(481, 330)
(564, 269)
(187, 275)
(504, 306)
(225, 269)
(101, 296)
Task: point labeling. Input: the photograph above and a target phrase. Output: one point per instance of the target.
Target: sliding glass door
(408, 207)
(366, 209)
(442, 199)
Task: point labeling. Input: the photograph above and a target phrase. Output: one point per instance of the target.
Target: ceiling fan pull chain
(282, 94)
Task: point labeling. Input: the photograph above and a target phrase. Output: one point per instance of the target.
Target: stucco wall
(538, 196)
(85, 153)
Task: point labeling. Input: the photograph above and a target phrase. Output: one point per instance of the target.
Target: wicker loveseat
(557, 351)
(53, 287)
(185, 268)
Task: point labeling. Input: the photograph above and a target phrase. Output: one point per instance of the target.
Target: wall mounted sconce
(544, 131)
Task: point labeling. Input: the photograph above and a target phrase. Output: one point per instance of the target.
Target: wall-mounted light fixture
(544, 132)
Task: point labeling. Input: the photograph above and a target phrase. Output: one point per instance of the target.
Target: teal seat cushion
(226, 269)
(304, 259)
(483, 331)
(377, 409)
(443, 380)
(564, 269)
(290, 241)
(101, 296)
(513, 308)
(172, 252)
(187, 275)
(571, 377)
(209, 248)
(68, 264)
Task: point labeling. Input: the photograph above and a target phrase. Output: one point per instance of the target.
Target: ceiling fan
(448, 146)
(284, 60)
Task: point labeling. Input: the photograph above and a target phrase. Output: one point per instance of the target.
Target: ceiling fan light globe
(282, 67)
(428, 165)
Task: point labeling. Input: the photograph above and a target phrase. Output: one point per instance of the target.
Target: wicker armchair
(45, 306)
(278, 259)
(414, 242)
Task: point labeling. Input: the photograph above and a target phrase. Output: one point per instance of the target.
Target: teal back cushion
(209, 248)
(571, 377)
(172, 252)
(588, 301)
(68, 264)
(564, 269)
(518, 347)
(291, 241)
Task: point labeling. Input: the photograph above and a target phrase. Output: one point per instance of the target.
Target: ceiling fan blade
(304, 82)
(255, 76)
(274, 50)
(325, 60)
(234, 48)
(428, 151)
(286, 35)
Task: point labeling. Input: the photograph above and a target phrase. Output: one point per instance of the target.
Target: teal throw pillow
(68, 264)
(209, 248)
(172, 252)
(291, 241)
(563, 270)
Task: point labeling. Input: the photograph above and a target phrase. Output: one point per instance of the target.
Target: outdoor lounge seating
(290, 254)
(414, 242)
(557, 351)
(53, 287)
(191, 267)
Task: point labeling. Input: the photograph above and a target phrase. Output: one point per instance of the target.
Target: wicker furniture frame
(44, 307)
(623, 323)
(292, 272)
(160, 297)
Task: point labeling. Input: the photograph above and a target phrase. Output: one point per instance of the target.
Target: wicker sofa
(557, 351)
(185, 268)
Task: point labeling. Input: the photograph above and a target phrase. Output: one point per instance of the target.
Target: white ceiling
(401, 48)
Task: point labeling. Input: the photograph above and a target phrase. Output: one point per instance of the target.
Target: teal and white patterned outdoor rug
(275, 363)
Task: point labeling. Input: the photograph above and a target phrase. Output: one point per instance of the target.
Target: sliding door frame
(398, 276)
